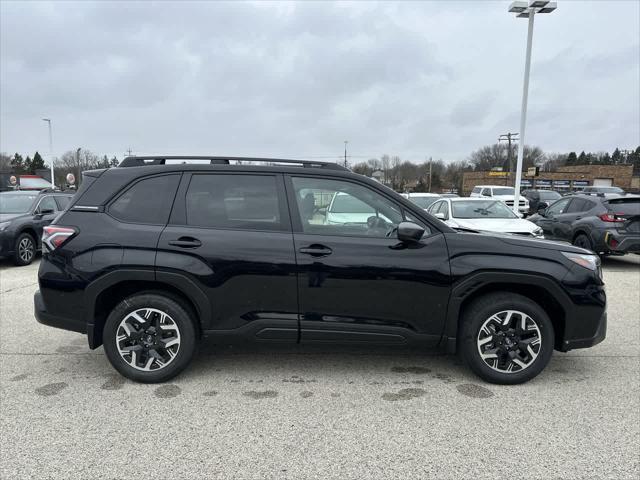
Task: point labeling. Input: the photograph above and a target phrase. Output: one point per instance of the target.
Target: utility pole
(509, 137)
(129, 152)
(430, 170)
(345, 153)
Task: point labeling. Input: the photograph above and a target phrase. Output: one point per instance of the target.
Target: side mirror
(409, 232)
(439, 215)
(46, 211)
(542, 208)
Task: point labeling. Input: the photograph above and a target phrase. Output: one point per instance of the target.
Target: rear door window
(147, 201)
(248, 202)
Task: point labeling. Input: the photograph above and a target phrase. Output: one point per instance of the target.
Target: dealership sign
(543, 183)
(561, 183)
(526, 183)
(581, 183)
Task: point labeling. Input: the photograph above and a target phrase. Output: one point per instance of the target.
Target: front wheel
(506, 338)
(149, 338)
(583, 241)
(24, 250)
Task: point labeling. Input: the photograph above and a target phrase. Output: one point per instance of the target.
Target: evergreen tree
(27, 165)
(37, 163)
(582, 158)
(572, 159)
(17, 163)
(114, 161)
(616, 156)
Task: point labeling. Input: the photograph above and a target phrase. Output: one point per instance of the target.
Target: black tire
(583, 241)
(479, 312)
(24, 250)
(181, 319)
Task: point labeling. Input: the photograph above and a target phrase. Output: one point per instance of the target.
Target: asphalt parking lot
(315, 413)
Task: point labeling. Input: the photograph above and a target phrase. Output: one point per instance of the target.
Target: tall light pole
(53, 182)
(345, 153)
(526, 10)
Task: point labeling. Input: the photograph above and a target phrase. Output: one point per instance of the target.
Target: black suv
(152, 256)
(23, 214)
(604, 224)
(540, 199)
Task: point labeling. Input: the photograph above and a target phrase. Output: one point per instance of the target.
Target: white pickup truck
(506, 194)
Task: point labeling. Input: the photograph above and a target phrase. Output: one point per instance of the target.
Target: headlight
(4, 226)
(538, 233)
(592, 262)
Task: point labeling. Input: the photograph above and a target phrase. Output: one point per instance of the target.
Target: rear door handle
(316, 250)
(186, 242)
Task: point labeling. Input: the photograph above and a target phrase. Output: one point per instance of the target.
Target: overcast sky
(413, 79)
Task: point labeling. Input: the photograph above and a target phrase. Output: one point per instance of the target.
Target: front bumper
(45, 318)
(599, 336)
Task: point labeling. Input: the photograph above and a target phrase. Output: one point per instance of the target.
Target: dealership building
(564, 179)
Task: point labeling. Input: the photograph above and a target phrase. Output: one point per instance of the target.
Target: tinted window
(63, 202)
(476, 190)
(234, 201)
(47, 203)
(626, 206)
(578, 205)
(333, 207)
(559, 207)
(147, 201)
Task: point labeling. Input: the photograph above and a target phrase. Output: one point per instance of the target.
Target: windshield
(481, 209)
(504, 191)
(423, 202)
(550, 195)
(16, 203)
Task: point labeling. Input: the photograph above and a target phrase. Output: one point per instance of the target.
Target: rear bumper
(46, 318)
(599, 336)
(625, 243)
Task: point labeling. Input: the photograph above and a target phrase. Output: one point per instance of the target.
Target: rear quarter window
(147, 201)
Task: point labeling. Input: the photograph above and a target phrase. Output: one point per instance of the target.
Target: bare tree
(5, 162)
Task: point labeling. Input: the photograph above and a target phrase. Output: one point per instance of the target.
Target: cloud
(296, 79)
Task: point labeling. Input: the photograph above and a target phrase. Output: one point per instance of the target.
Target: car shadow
(627, 263)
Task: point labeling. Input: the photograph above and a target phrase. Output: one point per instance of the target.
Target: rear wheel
(506, 338)
(24, 249)
(149, 338)
(582, 241)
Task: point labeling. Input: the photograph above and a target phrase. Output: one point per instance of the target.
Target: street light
(48, 120)
(526, 10)
(345, 152)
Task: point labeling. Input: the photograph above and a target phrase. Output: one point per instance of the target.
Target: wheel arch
(538, 288)
(103, 295)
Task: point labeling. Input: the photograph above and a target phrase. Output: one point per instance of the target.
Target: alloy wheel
(148, 339)
(509, 341)
(26, 249)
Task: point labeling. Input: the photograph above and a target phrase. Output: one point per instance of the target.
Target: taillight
(612, 217)
(54, 236)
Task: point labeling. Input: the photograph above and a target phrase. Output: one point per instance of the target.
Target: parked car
(506, 194)
(540, 199)
(423, 200)
(604, 190)
(606, 225)
(482, 214)
(23, 214)
(345, 209)
(151, 256)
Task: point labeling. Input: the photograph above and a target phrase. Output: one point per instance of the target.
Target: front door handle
(316, 250)
(186, 242)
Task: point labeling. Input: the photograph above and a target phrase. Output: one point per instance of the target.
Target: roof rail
(161, 160)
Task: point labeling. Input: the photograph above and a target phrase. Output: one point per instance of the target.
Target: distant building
(568, 178)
